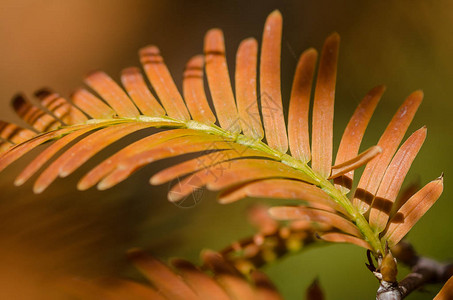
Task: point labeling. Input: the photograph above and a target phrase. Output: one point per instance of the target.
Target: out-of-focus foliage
(406, 45)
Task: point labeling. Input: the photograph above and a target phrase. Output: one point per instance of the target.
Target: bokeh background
(64, 233)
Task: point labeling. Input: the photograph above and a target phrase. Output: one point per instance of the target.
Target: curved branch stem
(354, 215)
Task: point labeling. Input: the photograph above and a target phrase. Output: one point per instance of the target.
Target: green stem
(359, 220)
(355, 215)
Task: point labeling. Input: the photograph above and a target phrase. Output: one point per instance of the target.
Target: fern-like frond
(231, 155)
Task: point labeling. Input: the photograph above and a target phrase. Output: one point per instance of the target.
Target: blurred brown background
(64, 233)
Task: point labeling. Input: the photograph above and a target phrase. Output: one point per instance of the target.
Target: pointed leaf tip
(411, 211)
(275, 15)
(419, 93)
(37, 189)
(214, 35)
(334, 36)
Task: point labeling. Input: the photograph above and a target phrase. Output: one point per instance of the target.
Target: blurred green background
(406, 45)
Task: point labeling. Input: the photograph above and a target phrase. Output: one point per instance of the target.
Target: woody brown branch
(423, 271)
